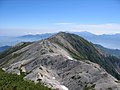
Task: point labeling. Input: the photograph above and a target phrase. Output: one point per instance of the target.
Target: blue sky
(19, 17)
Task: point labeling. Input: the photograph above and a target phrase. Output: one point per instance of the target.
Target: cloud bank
(110, 28)
(94, 28)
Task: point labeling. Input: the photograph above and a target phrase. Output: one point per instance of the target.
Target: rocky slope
(58, 63)
(81, 49)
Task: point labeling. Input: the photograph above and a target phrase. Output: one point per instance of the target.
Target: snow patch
(69, 58)
(53, 77)
(23, 69)
(18, 73)
(3, 69)
(64, 87)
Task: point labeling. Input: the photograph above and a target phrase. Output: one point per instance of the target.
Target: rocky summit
(62, 62)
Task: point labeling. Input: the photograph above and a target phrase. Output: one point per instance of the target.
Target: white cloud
(93, 28)
(109, 28)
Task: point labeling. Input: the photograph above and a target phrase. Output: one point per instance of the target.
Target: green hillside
(16, 82)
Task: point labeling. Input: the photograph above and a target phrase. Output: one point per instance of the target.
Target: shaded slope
(114, 52)
(112, 55)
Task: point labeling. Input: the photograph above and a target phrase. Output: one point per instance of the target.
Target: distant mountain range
(35, 37)
(3, 48)
(10, 41)
(108, 41)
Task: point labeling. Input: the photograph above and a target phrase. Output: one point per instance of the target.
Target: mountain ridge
(85, 49)
(50, 61)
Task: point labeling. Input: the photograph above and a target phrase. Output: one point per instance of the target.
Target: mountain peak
(61, 33)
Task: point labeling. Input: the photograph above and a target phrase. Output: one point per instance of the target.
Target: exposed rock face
(47, 62)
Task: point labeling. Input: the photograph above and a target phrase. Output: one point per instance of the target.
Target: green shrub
(16, 82)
